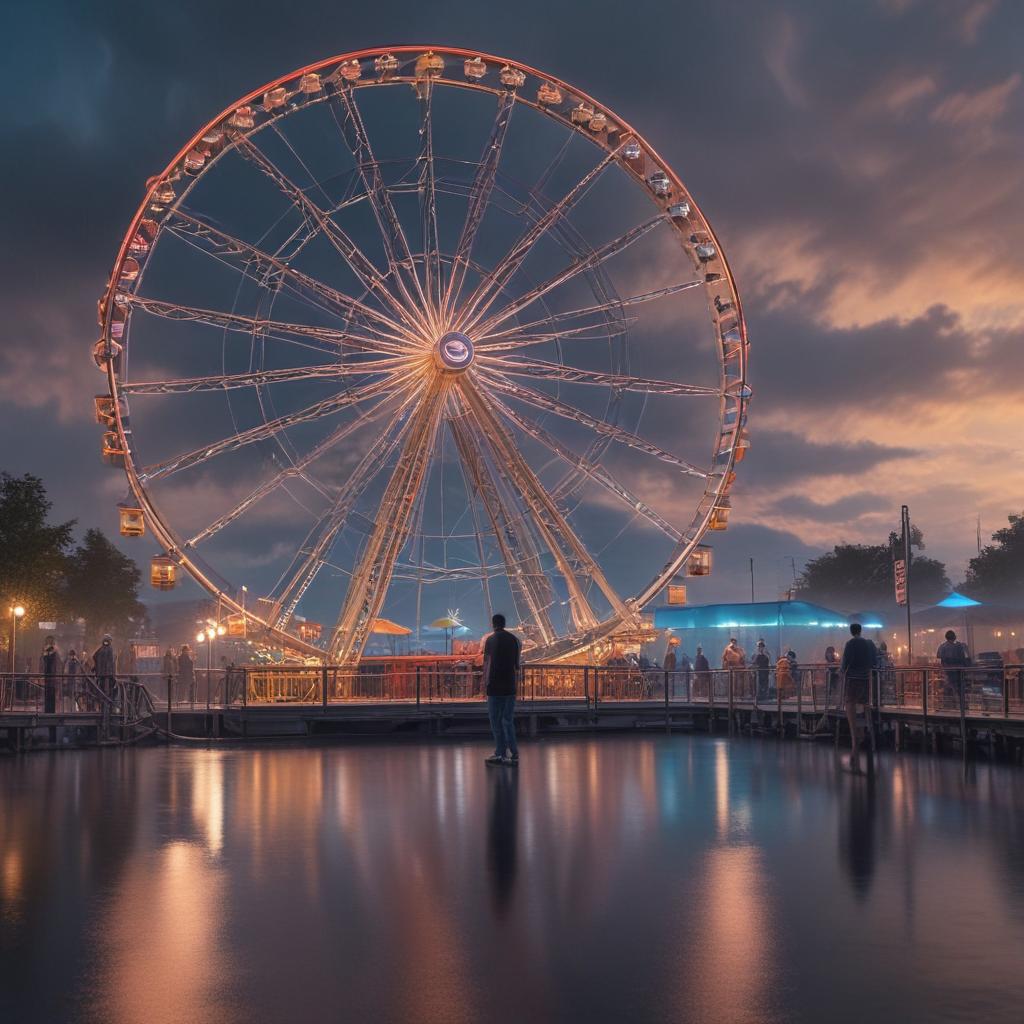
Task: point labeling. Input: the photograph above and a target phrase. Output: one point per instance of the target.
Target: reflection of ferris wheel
(445, 338)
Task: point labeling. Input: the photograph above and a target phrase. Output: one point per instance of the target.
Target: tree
(102, 587)
(856, 577)
(32, 552)
(997, 573)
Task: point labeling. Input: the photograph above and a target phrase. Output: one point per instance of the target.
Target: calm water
(613, 879)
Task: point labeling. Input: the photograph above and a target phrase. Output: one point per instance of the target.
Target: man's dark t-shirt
(859, 658)
(952, 653)
(501, 659)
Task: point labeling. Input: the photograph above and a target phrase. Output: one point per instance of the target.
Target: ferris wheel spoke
(358, 262)
(472, 488)
(479, 197)
(493, 339)
(371, 576)
(503, 272)
(395, 345)
(428, 198)
(364, 416)
(570, 412)
(242, 255)
(591, 261)
(594, 470)
(619, 382)
(312, 555)
(396, 245)
(531, 588)
(225, 382)
(568, 551)
(271, 428)
(512, 342)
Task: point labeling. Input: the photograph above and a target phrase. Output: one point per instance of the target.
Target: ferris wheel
(417, 328)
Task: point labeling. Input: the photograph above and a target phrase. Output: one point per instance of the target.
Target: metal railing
(988, 692)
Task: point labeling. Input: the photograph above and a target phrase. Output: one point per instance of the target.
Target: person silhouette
(500, 672)
(857, 833)
(502, 828)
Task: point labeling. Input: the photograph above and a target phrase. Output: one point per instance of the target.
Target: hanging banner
(900, 578)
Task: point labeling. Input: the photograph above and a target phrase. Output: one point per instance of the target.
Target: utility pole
(905, 517)
(751, 581)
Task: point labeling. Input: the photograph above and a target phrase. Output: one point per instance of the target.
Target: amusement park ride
(391, 326)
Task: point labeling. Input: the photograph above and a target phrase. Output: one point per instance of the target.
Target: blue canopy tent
(712, 623)
(983, 624)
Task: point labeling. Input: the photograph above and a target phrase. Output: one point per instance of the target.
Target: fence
(986, 692)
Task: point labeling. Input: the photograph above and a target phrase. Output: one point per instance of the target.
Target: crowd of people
(80, 681)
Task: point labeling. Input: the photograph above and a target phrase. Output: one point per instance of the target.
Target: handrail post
(800, 702)
(961, 686)
(732, 689)
(1006, 693)
(924, 707)
(417, 686)
(586, 685)
(323, 687)
(711, 700)
(170, 702)
(780, 727)
(668, 727)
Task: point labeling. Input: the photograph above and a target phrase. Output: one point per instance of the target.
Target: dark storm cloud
(858, 366)
(780, 458)
(838, 511)
(932, 359)
(855, 158)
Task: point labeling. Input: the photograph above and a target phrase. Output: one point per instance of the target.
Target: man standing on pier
(859, 658)
(953, 657)
(501, 667)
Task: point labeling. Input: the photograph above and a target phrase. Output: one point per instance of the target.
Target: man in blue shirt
(859, 658)
(501, 667)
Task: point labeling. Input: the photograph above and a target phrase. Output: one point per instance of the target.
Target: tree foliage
(997, 573)
(33, 553)
(39, 570)
(102, 587)
(854, 577)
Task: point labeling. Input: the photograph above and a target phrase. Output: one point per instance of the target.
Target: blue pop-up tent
(757, 615)
(804, 625)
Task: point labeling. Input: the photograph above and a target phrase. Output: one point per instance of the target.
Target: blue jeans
(501, 711)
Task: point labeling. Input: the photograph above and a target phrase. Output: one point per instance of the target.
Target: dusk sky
(861, 162)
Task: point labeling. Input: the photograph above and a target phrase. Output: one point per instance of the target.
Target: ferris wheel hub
(454, 352)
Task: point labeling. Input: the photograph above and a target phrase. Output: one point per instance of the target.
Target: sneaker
(494, 759)
(513, 760)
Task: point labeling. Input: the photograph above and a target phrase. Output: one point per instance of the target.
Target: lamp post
(17, 612)
(208, 636)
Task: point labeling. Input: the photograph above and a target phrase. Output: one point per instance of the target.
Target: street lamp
(17, 612)
(207, 636)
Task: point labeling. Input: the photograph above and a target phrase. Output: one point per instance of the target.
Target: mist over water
(614, 878)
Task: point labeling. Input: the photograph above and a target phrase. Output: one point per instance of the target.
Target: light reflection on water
(611, 879)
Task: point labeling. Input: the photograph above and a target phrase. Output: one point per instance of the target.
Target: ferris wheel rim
(190, 559)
